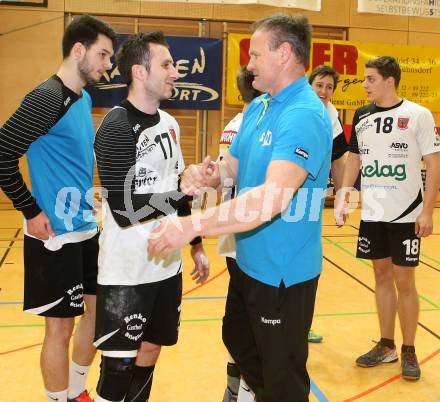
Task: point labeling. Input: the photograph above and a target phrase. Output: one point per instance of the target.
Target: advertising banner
(420, 69)
(411, 8)
(197, 60)
(314, 5)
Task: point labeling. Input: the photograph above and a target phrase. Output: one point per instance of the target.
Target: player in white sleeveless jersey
(139, 161)
(389, 138)
(324, 81)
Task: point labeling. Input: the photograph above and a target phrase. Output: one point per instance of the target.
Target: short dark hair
(85, 29)
(324, 71)
(136, 50)
(387, 66)
(244, 84)
(294, 29)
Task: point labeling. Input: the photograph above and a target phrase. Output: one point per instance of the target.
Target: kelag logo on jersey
(199, 64)
(397, 171)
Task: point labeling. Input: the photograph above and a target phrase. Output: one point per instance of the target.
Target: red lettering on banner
(244, 51)
(345, 59)
(319, 54)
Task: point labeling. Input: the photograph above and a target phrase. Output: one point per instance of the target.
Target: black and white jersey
(139, 161)
(391, 142)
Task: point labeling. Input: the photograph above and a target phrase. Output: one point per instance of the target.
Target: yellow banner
(420, 66)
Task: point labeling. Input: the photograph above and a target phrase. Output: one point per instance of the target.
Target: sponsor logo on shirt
(302, 153)
(270, 321)
(401, 150)
(142, 151)
(136, 128)
(398, 156)
(363, 150)
(364, 115)
(227, 137)
(146, 177)
(402, 123)
(361, 127)
(67, 101)
(266, 138)
(375, 170)
(401, 146)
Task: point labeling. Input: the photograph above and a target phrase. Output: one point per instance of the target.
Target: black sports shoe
(410, 366)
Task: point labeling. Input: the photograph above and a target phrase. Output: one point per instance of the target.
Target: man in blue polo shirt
(280, 160)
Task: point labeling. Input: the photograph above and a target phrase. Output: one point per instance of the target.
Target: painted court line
(430, 258)
(10, 244)
(205, 283)
(19, 349)
(371, 290)
(318, 393)
(389, 381)
(367, 263)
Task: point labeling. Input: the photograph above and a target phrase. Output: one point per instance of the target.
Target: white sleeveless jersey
(226, 243)
(123, 257)
(334, 118)
(391, 142)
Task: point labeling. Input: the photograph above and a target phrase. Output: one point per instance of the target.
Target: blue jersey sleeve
(303, 137)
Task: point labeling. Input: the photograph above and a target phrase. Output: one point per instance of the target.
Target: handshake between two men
(173, 233)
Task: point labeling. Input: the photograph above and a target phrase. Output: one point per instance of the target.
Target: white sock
(101, 399)
(245, 394)
(60, 396)
(77, 379)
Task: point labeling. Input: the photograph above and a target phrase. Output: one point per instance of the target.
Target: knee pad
(115, 377)
(232, 370)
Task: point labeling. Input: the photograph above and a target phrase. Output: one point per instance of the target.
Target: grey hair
(293, 29)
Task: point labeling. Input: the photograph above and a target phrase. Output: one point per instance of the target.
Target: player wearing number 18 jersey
(391, 142)
(389, 138)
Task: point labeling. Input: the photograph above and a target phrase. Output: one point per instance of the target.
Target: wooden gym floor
(194, 369)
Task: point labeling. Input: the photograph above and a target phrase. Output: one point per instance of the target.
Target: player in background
(389, 138)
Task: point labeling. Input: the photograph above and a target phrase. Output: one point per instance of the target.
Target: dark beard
(84, 71)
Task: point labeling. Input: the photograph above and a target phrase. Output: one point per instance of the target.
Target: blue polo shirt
(294, 125)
